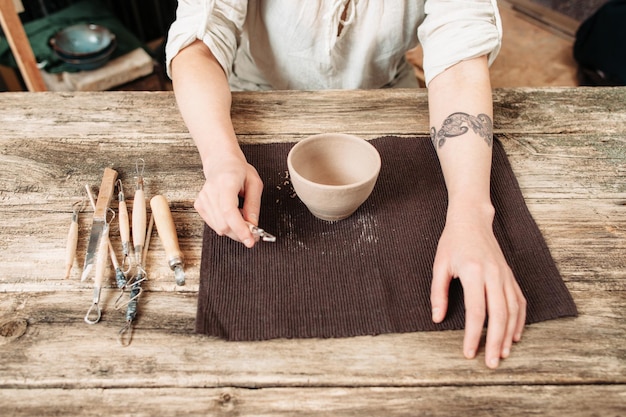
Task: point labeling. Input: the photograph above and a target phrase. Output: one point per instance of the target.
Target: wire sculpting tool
(125, 334)
(99, 219)
(260, 233)
(139, 238)
(167, 232)
(72, 238)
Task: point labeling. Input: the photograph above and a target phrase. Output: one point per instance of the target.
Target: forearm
(461, 114)
(204, 99)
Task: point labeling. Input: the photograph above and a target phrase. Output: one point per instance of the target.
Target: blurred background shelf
(536, 50)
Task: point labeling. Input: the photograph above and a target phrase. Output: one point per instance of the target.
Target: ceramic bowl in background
(82, 41)
(333, 173)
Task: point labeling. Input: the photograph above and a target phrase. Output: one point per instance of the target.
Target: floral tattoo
(458, 124)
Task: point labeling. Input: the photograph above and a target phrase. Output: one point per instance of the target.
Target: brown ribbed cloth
(370, 273)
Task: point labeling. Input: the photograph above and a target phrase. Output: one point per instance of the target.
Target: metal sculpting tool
(261, 234)
(101, 263)
(99, 219)
(125, 335)
(120, 276)
(139, 238)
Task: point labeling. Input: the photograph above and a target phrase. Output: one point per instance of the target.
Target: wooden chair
(20, 46)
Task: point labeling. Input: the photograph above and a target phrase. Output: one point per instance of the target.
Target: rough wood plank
(153, 115)
(57, 349)
(523, 400)
(587, 239)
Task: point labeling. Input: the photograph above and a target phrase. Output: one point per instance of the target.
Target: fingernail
(517, 337)
(248, 242)
(506, 352)
(436, 313)
(470, 354)
(493, 362)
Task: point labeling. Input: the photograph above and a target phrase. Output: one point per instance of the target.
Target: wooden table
(567, 148)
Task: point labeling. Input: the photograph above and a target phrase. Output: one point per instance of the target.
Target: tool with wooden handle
(72, 243)
(167, 232)
(101, 264)
(72, 240)
(120, 276)
(139, 218)
(124, 222)
(99, 219)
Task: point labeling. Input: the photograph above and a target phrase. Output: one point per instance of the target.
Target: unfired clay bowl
(333, 173)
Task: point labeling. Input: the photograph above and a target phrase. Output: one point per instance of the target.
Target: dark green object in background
(41, 30)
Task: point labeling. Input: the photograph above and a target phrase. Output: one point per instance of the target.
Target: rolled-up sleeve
(217, 23)
(458, 30)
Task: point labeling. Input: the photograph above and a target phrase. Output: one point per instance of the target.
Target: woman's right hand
(228, 177)
(203, 97)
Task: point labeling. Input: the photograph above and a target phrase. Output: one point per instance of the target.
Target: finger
(439, 291)
(513, 307)
(238, 228)
(498, 316)
(521, 317)
(252, 199)
(227, 216)
(474, 297)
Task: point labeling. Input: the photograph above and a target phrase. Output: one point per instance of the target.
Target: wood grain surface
(568, 150)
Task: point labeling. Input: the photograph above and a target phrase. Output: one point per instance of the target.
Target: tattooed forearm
(458, 124)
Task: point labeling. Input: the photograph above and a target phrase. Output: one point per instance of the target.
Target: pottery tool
(139, 240)
(125, 335)
(124, 224)
(101, 264)
(72, 238)
(99, 219)
(94, 313)
(120, 276)
(167, 232)
(139, 218)
(260, 233)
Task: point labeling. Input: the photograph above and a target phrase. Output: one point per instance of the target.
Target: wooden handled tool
(123, 221)
(102, 258)
(95, 312)
(167, 232)
(139, 218)
(72, 244)
(99, 218)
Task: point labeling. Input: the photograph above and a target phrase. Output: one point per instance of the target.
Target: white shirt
(305, 45)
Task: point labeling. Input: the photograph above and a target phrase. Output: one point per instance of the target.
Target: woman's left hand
(468, 250)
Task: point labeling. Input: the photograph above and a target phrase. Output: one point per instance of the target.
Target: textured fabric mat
(368, 274)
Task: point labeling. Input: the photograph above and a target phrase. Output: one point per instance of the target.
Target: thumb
(439, 291)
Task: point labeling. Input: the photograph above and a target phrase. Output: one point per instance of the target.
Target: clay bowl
(82, 41)
(333, 173)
